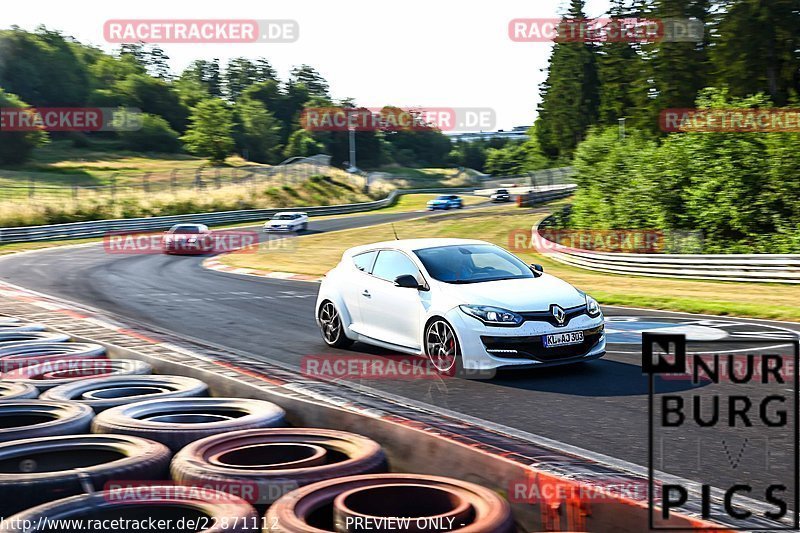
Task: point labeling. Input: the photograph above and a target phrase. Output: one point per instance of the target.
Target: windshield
(185, 229)
(502, 191)
(472, 263)
(283, 217)
(442, 197)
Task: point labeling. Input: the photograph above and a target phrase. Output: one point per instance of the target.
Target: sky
(423, 53)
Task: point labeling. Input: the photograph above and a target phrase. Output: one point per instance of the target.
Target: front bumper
(433, 207)
(280, 228)
(489, 347)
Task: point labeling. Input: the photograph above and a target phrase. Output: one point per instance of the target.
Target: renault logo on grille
(558, 314)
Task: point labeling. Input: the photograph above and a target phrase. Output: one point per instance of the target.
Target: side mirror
(407, 281)
(537, 268)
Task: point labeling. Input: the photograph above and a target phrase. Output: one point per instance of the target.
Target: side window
(364, 261)
(391, 263)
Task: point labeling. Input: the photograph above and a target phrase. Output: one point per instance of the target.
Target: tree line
(209, 109)
(737, 189)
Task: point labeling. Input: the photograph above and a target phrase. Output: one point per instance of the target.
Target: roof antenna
(395, 233)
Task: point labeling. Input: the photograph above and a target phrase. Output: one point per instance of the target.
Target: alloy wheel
(330, 323)
(441, 345)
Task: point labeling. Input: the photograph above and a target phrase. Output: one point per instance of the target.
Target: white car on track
(287, 221)
(464, 304)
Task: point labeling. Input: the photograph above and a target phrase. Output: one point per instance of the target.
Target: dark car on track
(501, 195)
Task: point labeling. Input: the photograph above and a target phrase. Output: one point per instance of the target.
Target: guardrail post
(31, 186)
(173, 178)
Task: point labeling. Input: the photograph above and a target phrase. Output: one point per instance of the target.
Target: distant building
(517, 133)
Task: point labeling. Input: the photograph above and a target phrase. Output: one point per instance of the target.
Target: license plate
(563, 339)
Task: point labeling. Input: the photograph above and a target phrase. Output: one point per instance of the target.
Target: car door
(359, 275)
(390, 313)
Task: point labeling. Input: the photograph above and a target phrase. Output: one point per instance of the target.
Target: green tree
(154, 96)
(569, 95)
(155, 135)
(302, 143)
(311, 79)
(618, 64)
(42, 68)
(205, 73)
(16, 146)
(210, 131)
(757, 48)
(258, 135)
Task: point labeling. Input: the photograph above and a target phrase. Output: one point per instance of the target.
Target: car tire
(220, 513)
(442, 349)
(104, 393)
(285, 460)
(28, 419)
(7, 338)
(178, 421)
(38, 470)
(45, 376)
(481, 509)
(31, 353)
(10, 390)
(331, 327)
(21, 326)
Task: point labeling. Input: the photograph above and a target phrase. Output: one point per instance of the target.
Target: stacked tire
(107, 439)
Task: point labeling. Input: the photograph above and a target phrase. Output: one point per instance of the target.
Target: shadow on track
(596, 378)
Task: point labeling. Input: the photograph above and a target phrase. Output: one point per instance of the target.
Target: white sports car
(465, 304)
(287, 221)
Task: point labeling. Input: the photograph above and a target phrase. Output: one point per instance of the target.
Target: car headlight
(592, 307)
(493, 316)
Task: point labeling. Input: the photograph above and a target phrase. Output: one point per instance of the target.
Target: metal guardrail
(98, 228)
(765, 268)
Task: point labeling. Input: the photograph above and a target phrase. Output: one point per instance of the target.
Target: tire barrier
(263, 464)
(27, 419)
(20, 326)
(410, 502)
(107, 392)
(32, 471)
(10, 390)
(45, 376)
(17, 356)
(179, 421)
(217, 513)
(8, 338)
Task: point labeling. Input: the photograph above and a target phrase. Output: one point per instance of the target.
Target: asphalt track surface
(599, 406)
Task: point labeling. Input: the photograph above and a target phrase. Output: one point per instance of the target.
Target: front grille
(547, 316)
(532, 347)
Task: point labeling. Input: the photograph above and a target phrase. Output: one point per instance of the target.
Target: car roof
(290, 213)
(409, 245)
(189, 224)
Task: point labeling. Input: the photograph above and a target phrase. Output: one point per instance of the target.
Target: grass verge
(316, 254)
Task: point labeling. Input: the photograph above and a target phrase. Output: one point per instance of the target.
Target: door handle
(365, 293)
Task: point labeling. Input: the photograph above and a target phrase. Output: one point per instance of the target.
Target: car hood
(530, 294)
(183, 236)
